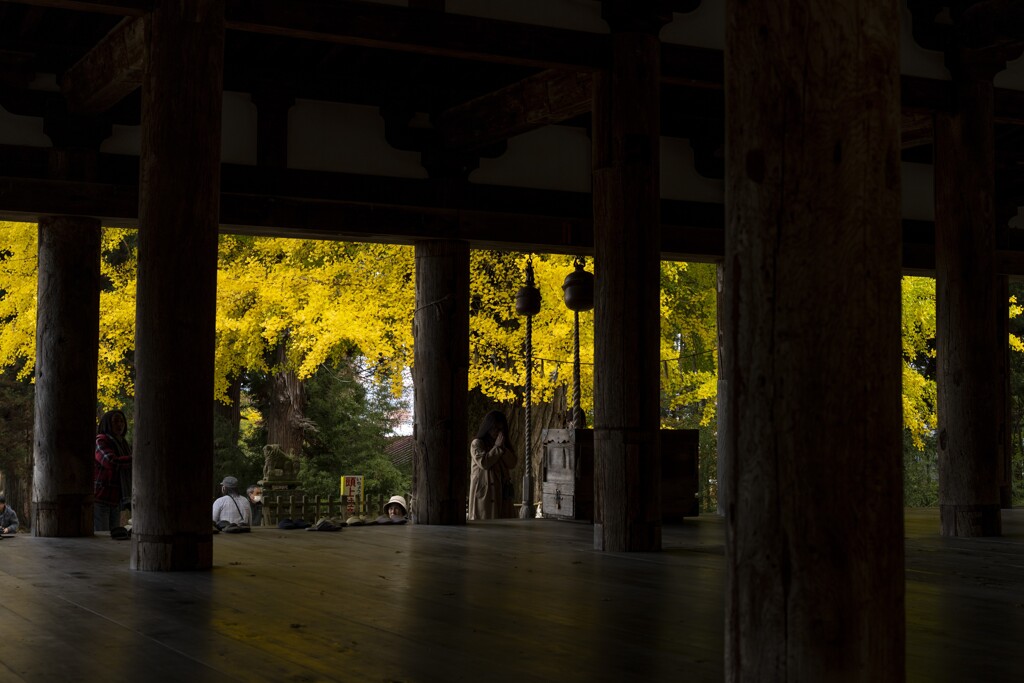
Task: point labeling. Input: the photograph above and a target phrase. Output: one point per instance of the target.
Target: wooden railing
(311, 508)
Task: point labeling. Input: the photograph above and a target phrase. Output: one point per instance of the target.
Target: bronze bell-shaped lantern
(528, 296)
(578, 288)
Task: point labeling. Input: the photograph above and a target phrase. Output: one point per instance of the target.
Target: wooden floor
(522, 600)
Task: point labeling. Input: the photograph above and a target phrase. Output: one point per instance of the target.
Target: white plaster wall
(553, 158)
(915, 60)
(324, 136)
(123, 140)
(237, 140)
(22, 130)
(679, 179)
(918, 191)
(1012, 77)
(703, 27)
(238, 129)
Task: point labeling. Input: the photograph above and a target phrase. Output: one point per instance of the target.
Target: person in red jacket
(112, 471)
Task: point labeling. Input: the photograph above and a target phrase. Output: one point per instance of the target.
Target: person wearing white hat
(231, 512)
(396, 509)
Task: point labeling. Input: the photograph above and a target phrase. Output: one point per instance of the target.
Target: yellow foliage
(1015, 310)
(18, 267)
(323, 300)
(319, 299)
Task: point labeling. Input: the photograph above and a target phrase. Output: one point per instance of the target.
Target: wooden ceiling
(478, 81)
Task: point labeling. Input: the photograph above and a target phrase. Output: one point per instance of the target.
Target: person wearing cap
(395, 511)
(8, 517)
(231, 512)
(112, 471)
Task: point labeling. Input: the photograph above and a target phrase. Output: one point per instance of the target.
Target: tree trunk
(285, 416)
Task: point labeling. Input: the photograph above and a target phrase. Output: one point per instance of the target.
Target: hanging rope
(526, 510)
(577, 414)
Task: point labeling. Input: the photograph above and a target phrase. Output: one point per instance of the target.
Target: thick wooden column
(725, 458)
(441, 380)
(627, 313)
(67, 334)
(966, 325)
(815, 578)
(1003, 396)
(179, 189)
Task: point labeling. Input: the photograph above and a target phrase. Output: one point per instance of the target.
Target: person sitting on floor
(255, 495)
(395, 511)
(8, 517)
(231, 512)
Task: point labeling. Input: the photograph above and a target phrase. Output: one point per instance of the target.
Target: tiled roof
(400, 451)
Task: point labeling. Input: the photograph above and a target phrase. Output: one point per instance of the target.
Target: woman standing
(490, 483)
(112, 471)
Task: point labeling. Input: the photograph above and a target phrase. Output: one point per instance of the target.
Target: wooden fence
(311, 508)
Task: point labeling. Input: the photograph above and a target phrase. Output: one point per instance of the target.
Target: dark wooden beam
(692, 66)
(128, 8)
(109, 72)
(420, 31)
(345, 206)
(916, 129)
(549, 97)
(423, 31)
(365, 209)
(992, 22)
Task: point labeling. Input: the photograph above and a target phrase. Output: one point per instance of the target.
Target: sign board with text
(352, 489)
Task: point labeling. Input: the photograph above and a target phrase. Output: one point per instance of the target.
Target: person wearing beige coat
(490, 482)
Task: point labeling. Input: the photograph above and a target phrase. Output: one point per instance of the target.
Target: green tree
(350, 416)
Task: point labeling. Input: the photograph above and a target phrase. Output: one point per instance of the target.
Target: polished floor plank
(499, 601)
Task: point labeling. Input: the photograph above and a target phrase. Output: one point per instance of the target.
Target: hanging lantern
(579, 296)
(528, 296)
(579, 288)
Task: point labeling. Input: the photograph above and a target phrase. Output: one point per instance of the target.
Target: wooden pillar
(966, 325)
(67, 335)
(725, 459)
(441, 381)
(814, 526)
(627, 314)
(1003, 396)
(179, 193)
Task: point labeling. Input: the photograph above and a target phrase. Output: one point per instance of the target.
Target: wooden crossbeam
(420, 31)
(916, 129)
(372, 210)
(993, 22)
(550, 97)
(128, 8)
(109, 72)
